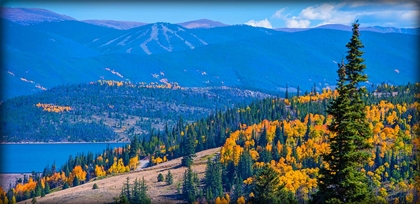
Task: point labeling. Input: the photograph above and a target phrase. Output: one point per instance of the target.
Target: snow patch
(186, 42)
(143, 34)
(123, 42)
(155, 76)
(153, 36)
(40, 87)
(114, 72)
(25, 80)
(111, 41)
(165, 81)
(202, 41)
(165, 30)
(189, 44)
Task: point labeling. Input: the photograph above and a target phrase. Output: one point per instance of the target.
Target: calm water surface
(24, 158)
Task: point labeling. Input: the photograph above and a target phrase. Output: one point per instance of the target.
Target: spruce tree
(213, 180)
(33, 201)
(267, 188)
(188, 146)
(144, 198)
(342, 181)
(189, 188)
(160, 177)
(169, 178)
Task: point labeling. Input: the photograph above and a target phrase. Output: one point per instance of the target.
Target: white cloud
(279, 13)
(398, 13)
(322, 12)
(292, 23)
(353, 4)
(410, 15)
(342, 18)
(262, 23)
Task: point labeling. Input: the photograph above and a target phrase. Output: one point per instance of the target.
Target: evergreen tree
(169, 178)
(33, 201)
(66, 185)
(47, 188)
(213, 180)
(76, 181)
(95, 186)
(188, 146)
(144, 198)
(160, 177)
(136, 194)
(189, 188)
(342, 181)
(122, 199)
(238, 190)
(245, 165)
(126, 189)
(298, 91)
(134, 147)
(267, 188)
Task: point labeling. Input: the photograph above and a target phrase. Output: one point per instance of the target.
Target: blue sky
(393, 13)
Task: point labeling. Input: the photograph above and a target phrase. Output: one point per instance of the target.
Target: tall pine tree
(188, 147)
(213, 180)
(189, 187)
(342, 181)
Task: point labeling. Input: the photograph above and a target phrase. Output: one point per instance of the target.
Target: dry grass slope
(110, 187)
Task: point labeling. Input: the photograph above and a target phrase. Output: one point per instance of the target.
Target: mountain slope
(122, 25)
(55, 53)
(149, 39)
(240, 56)
(30, 16)
(377, 29)
(78, 31)
(202, 23)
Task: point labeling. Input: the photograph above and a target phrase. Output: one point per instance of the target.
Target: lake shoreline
(110, 142)
(29, 157)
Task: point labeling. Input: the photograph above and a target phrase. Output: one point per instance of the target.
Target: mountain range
(43, 49)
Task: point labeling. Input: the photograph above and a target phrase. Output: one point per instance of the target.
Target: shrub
(160, 177)
(95, 186)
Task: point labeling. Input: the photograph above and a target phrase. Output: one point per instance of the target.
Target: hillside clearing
(110, 186)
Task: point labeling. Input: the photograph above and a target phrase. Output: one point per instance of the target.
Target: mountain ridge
(48, 54)
(44, 15)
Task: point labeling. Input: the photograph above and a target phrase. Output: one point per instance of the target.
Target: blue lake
(25, 158)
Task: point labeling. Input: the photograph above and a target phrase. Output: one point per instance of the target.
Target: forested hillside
(289, 135)
(349, 139)
(111, 110)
